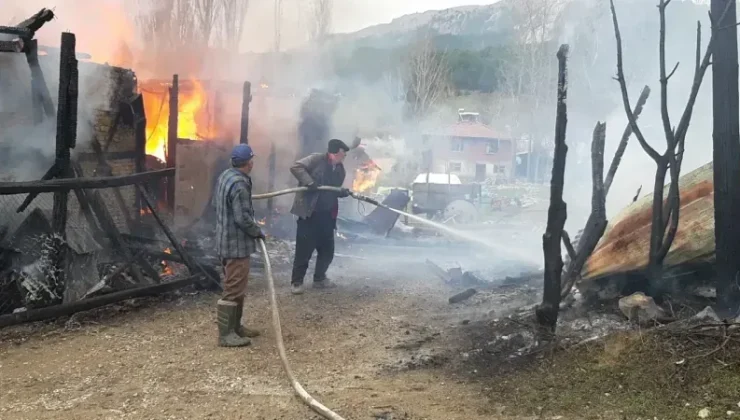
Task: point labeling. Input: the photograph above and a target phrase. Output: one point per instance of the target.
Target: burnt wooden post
(246, 99)
(66, 137)
(137, 109)
(172, 140)
(547, 311)
(726, 151)
(271, 182)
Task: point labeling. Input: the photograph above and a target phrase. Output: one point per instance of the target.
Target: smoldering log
(42, 314)
(38, 187)
(462, 296)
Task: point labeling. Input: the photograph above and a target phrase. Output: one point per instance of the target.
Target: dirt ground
(384, 345)
(357, 348)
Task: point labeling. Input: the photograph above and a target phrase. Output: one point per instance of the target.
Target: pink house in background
(470, 149)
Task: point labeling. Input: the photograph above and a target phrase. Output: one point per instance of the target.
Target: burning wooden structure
(58, 251)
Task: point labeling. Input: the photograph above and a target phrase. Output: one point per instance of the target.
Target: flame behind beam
(194, 120)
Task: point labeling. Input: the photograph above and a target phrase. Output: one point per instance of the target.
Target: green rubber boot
(227, 322)
(241, 330)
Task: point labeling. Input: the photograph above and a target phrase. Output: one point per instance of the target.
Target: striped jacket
(236, 229)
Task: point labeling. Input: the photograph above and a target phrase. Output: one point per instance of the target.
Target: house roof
(467, 129)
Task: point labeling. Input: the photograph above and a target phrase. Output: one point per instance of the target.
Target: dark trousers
(315, 233)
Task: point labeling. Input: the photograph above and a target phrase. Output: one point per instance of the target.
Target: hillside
(482, 26)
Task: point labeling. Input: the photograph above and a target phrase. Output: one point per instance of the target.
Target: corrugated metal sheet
(626, 243)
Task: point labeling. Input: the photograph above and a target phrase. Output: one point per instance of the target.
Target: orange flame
(366, 176)
(193, 118)
(167, 269)
(262, 221)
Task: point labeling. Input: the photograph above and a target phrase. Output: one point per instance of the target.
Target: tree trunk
(726, 156)
(547, 312)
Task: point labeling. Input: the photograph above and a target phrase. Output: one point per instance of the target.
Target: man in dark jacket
(317, 212)
(236, 234)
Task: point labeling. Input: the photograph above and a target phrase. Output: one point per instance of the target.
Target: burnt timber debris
(75, 254)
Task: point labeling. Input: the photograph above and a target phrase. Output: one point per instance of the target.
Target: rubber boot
(241, 330)
(227, 322)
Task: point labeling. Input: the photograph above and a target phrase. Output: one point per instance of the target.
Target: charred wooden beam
(84, 201)
(139, 123)
(109, 226)
(51, 173)
(42, 103)
(16, 31)
(35, 22)
(37, 187)
(547, 311)
(67, 309)
(192, 265)
(171, 155)
(14, 46)
(66, 134)
(246, 99)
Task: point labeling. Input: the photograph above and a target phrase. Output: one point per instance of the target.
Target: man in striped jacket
(236, 234)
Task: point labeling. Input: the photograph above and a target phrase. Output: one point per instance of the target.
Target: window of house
(499, 169)
(492, 147)
(456, 145)
(455, 166)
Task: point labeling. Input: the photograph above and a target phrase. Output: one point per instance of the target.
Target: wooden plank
(37, 187)
(626, 242)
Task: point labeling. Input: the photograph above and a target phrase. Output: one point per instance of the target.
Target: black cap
(335, 145)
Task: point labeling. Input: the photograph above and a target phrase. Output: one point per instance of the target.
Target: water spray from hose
(305, 397)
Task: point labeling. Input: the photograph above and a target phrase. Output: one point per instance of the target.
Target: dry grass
(664, 374)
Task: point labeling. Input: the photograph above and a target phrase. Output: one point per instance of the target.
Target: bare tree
(665, 215)
(233, 15)
(321, 19)
(206, 16)
(528, 75)
(426, 77)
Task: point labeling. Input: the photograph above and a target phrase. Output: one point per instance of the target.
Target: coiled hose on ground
(300, 391)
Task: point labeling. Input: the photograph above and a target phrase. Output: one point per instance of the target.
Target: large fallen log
(626, 243)
(92, 303)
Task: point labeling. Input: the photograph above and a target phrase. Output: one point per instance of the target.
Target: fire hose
(299, 390)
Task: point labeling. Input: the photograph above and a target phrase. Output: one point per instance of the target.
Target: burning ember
(366, 176)
(193, 117)
(262, 221)
(167, 269)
